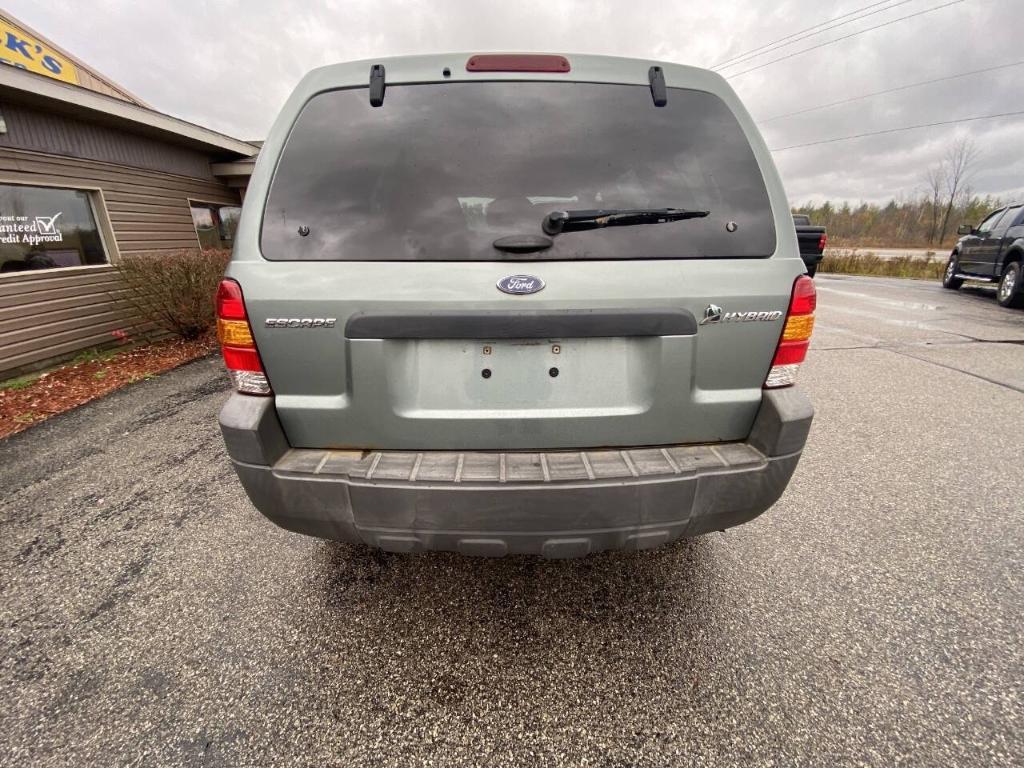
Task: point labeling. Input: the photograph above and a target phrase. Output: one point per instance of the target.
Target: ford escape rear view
(514, 304)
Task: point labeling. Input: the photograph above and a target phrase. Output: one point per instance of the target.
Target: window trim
(996, 216)
(752, 136)
(201, 201)
(1010, 215)
(98, 206)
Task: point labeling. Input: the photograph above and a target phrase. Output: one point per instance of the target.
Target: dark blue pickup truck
(992, 251)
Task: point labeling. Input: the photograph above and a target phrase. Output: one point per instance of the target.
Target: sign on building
(21, 50)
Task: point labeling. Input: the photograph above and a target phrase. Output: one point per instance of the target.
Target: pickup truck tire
(949, 279)
(1009, 293)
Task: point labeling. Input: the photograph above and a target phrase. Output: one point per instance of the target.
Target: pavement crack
(903, 350)
(966, 340)
(1003, 384)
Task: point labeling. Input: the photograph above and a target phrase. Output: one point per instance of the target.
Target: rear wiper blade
(557, 222)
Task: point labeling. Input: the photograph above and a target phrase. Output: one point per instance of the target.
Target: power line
(744, 54)
(897, 130)
(845, 37)
(890, 90)
(798, 36)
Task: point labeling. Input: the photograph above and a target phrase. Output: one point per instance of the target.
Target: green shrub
(174, 290)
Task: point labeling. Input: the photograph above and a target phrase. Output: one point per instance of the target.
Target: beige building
(88, 171)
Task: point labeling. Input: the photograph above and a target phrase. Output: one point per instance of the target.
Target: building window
(215, 224)
(47, 227)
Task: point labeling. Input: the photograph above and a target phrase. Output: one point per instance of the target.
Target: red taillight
(240, 359)
(230, 305)
(516, 62)
(237, 345)
(790, 353)
(805, 299)
(796, 334)
(821, 241)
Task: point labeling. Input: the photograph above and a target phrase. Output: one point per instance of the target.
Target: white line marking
(671, 461)
(416, 467)
(327, 455)
(373, 465)
(586, 465)
(544, 468)
(629, 463)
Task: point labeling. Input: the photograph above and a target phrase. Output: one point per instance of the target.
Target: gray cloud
(230, 65)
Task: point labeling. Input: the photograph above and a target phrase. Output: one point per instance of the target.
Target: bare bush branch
(934, 179)
(958, 167)
(175, 290)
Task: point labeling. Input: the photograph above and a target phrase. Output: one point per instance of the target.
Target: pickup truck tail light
(821, 241)
(236, 341)
(796, 335)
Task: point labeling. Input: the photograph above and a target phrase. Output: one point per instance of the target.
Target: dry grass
(854, 262)
(891, 244)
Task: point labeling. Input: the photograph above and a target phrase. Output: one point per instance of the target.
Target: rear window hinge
(657, 80)
(376, 85)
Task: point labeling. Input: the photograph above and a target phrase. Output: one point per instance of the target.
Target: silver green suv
(501, 304)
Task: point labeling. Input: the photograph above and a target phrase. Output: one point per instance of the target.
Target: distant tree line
(927, 218)
(907, 223)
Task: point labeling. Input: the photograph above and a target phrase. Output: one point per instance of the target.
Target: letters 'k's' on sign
(19, 49)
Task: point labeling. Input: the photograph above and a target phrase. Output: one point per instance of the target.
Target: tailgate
(609, 353)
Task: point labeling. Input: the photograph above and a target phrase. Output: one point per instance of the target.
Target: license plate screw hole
(553, 372)
(486, 373)
(555, 349)
(487, 350)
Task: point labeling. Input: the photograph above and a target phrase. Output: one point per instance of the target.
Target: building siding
(35, 130)
(52, 314)
(147, 210)
(47, 316)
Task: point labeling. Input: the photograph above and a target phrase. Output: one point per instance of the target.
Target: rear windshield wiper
(557, 222)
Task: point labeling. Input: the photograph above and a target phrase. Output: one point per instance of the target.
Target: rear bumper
(555, 504)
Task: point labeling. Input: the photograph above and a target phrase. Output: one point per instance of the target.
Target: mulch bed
(82, 380)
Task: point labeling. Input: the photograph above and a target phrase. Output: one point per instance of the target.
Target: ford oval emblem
(520, 284)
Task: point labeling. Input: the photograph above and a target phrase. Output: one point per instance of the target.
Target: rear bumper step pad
(446, 467)
(554, 503)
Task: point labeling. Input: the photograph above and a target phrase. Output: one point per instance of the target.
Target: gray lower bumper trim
(557, 519)
(555, 504)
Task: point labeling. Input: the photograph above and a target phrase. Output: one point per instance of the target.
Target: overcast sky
(230, 65)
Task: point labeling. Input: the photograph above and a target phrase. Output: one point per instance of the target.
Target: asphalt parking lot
(150, 616)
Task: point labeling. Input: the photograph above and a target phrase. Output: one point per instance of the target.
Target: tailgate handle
(521, 324)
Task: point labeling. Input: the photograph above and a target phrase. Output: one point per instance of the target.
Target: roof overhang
(74, 101)
(236, 168)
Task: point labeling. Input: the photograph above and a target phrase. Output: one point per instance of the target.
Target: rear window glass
(441, 171)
